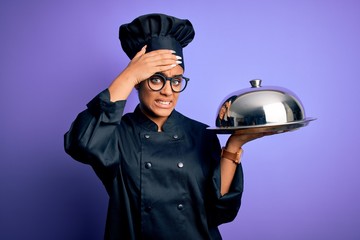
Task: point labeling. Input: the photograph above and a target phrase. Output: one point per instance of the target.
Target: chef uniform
(161, 185)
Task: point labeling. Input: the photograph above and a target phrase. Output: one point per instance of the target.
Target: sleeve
(224, 208)
(92, 138)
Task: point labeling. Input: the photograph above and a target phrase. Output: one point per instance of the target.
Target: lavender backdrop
(56, 55)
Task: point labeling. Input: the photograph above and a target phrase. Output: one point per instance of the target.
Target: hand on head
(144, 65)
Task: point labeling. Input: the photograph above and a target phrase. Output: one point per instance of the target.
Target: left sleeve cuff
(101, 106)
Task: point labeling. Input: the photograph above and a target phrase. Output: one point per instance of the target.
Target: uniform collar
(172, 123)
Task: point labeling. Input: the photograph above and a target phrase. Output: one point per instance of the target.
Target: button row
(148, 165)
(147, 136)
(179, 207)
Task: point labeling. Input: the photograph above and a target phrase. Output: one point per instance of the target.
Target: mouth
(163, 104)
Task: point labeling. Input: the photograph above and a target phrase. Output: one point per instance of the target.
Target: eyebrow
(178, 75)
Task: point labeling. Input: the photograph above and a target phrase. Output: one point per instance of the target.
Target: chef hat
(157, 31)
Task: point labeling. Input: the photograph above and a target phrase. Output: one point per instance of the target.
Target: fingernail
(173, 65)
(172, 51)
(178, 57)
(178, 62)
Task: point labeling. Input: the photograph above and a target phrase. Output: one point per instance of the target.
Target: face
(158, 105)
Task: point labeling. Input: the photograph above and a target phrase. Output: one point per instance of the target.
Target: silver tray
(265, 128)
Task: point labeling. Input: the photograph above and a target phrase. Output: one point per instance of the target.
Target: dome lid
(260, 109)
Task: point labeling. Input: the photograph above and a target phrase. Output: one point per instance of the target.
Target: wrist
(234, 156)
(121, 87)
(128, 77)
(233, 147)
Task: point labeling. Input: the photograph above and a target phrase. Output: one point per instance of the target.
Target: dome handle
(256, 83)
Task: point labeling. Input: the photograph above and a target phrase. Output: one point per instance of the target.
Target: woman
(166, 174)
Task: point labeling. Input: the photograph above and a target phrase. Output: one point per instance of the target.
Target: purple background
(56, 55)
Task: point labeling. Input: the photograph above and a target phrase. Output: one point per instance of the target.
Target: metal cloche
(260, 109)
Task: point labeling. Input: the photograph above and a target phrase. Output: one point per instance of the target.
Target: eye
(176, 81)
(156, 80)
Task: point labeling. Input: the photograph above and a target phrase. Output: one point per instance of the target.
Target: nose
(167, 89)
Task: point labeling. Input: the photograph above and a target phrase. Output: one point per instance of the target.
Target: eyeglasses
(157, 82)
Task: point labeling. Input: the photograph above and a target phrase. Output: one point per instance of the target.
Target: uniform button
(180, 164)
(147, 208)
(148, 165)
(175, 136)
(147, 136)
(180, 207)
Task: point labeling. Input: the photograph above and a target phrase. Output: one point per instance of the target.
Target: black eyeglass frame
(165, 78)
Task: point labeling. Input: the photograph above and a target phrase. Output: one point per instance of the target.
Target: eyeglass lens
(158, 81)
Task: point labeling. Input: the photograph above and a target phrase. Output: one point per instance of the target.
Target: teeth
(163, 102)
